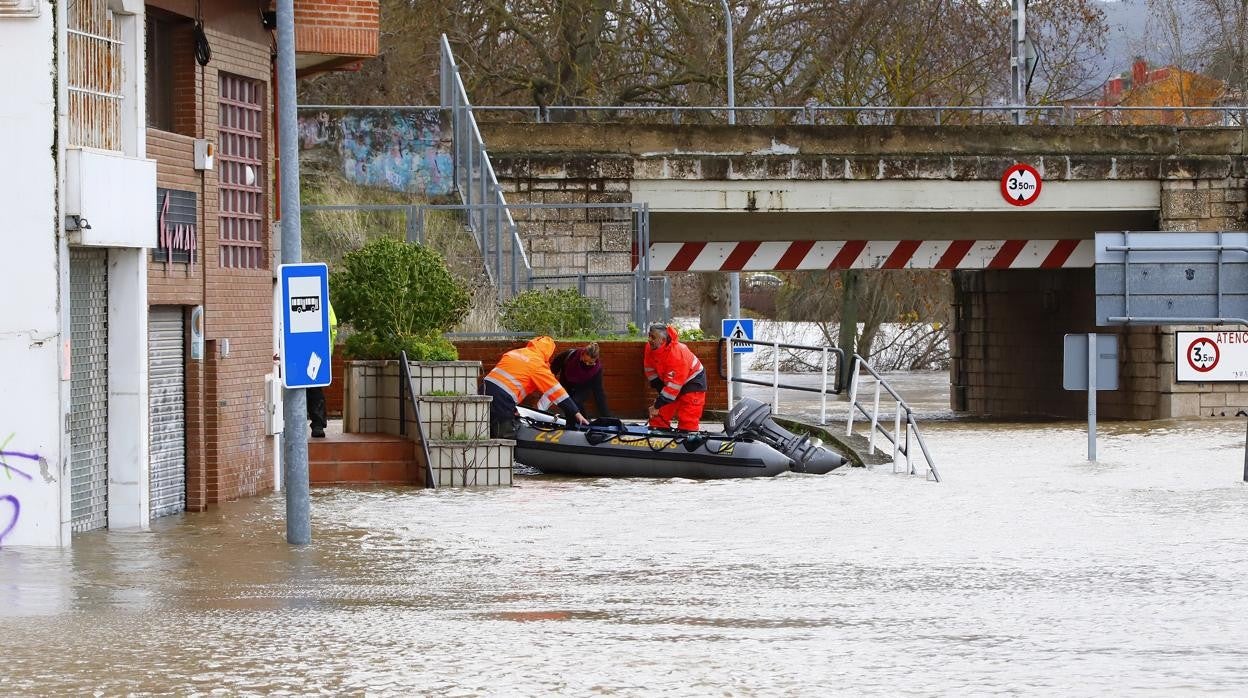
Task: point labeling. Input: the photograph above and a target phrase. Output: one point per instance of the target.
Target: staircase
(363, 459)
(383, 443)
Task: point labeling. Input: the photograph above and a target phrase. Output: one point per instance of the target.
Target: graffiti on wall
(10, 505)
(404, 150)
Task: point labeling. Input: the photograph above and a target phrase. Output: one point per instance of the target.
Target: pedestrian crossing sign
(739, 328)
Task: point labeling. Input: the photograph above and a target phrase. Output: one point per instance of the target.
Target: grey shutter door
(167, 410)
(88, 419)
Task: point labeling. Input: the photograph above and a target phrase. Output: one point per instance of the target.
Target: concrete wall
(34, 348)
(1008, 328)
(725, 183)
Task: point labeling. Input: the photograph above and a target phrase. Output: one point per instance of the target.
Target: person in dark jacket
(580, 371)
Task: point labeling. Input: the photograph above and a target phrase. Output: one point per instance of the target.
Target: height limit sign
(1210, 357)
(1020, 185)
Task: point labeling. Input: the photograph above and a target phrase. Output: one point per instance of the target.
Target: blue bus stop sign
(305, 325)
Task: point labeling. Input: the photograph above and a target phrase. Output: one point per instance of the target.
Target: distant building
(1126, 97)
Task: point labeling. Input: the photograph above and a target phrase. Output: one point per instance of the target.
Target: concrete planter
(457, 427)
(480, 463)
(459, 417)
(371, 390)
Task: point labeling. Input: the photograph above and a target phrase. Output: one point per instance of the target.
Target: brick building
(227, 267)
(143, 207)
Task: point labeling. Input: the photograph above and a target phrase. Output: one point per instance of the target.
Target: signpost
(305, 325)
(1090, 362)
(735, 329)
(1020, 185)
(738, 328)
(1180, 278)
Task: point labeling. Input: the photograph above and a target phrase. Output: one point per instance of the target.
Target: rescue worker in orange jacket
(518, 373)
(677, 373)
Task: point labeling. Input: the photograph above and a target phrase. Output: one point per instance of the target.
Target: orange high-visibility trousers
(687, 410)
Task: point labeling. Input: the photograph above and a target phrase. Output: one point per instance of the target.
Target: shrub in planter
(397, 296)
(556, 313)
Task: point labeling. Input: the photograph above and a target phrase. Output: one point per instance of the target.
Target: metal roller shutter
(167, 410)
(88, 420)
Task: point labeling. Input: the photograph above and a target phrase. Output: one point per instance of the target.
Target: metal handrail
(895, 438)
(725, 372)
(1065, 114)
(430, 482)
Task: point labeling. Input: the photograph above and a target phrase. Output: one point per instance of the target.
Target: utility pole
(734, 278)
(295, 409)
(1018, 60)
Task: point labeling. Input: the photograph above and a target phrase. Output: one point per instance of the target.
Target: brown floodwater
(1028, 570)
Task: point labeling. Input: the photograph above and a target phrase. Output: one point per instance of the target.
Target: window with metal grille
(240, 169)
(94, 75)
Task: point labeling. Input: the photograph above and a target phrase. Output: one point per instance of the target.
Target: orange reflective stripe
(510, 390)
(552, 397)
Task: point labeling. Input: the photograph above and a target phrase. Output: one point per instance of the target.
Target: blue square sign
(738, 328)
(305, 325)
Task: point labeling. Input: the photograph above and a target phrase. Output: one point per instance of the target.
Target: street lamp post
(734, 278)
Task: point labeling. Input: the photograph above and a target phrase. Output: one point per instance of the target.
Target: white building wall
(33, 350)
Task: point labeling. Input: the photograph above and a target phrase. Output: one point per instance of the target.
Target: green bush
(692, 334)
(397, 296)
(555, 312)
(366, 345)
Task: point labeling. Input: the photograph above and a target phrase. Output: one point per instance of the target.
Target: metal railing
(511, 263)
(903, 426)
(621, 294)
(727, 346)
(864, 115)
(486, 209)
(406, 386)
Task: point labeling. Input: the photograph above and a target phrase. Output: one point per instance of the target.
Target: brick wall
(1007, 345)
(623, 380)
(337, 27)
(228, 453)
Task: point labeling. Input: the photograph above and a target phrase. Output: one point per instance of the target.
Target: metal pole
(1246, 458)
(1018, 59)
(734, 278)
(1091, 396)
(295, 411)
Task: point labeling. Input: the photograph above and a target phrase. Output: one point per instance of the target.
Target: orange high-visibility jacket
(676, 367)
(522, 371)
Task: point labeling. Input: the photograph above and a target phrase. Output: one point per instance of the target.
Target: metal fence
(490, 217)
(861, 115)
(626, 297)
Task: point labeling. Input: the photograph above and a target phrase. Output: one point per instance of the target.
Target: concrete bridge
(818, 198)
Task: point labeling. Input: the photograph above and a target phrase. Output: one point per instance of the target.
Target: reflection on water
(1028, 570)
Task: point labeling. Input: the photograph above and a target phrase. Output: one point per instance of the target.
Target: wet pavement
(1029, 570)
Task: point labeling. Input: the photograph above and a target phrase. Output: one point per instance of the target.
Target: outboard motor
(807, 455)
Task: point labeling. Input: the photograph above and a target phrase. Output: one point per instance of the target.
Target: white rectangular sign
(1207, 357)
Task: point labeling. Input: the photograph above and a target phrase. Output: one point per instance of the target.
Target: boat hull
(638, 454)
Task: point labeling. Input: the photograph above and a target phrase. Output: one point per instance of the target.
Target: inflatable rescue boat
(751, 445)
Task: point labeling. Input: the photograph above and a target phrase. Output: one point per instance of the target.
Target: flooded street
(1029, 570)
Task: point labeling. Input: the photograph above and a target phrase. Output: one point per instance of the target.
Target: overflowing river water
(1028, 570)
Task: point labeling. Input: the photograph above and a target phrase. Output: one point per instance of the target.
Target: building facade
(139, 337)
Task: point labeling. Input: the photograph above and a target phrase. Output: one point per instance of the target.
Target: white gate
(167, 410)
(88, 422)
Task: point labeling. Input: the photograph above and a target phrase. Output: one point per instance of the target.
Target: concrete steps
(361, 459)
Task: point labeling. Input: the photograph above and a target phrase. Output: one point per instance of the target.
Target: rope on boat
(724, 444)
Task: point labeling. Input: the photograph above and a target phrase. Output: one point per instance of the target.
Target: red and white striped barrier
(875, 254)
